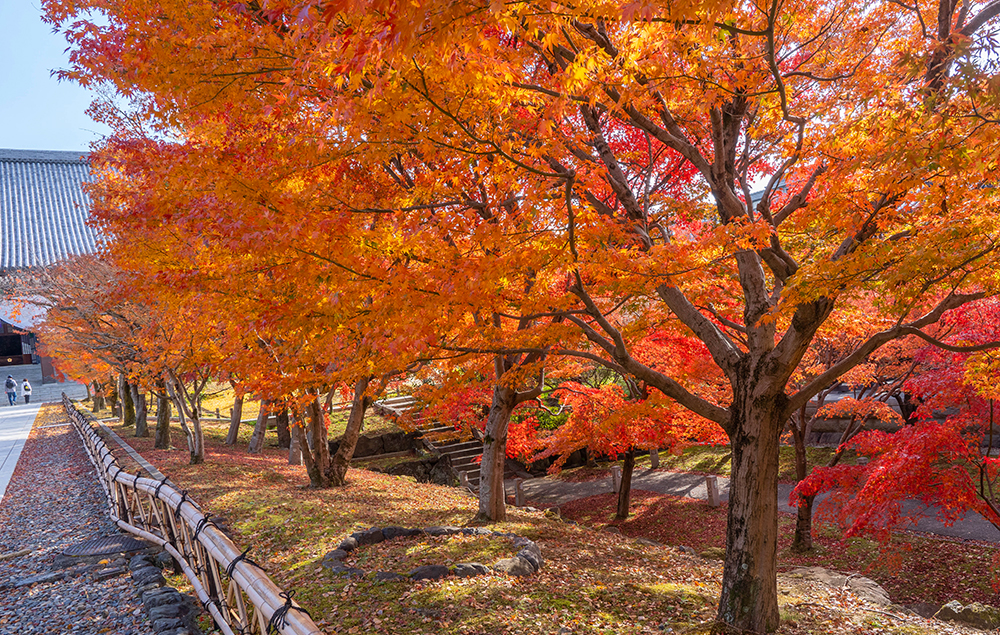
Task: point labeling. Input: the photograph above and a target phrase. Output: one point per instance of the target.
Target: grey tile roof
(43, 208)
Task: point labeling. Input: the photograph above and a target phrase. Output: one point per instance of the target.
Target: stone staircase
(464, 449)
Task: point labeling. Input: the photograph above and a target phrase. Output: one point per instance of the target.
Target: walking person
(26, 390)
(11, 387)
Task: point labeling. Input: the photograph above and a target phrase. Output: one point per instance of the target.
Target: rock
(168, 624)
(162, 597)
(686, 550)
(41, 578)
(714, 553)
(924, 609)
(552, 512)
(367, 537)
(514, 566)
(651, 543)
(333, 557)
(140, 562)
(441, 472)
(429, 572)
(399, 532)
(148, 575)
(166, 611)
(349, 544)
(476, 531)
(864, 588)
(469, 569)
(388, 576)
(112, 572)
(978, 615)
(399, 441)
(532, 554)
(164, 560)
(613, 530)
(442, 531)
(148, 587)
(369, 445)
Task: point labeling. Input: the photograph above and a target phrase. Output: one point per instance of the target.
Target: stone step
(463, 454)
(463, 465)
(459, 446)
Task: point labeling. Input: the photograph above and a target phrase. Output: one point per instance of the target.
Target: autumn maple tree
(945, 460)
(529, 182)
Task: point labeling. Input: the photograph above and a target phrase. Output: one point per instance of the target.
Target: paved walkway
(546, 492)
(15, 425)
(54, 501)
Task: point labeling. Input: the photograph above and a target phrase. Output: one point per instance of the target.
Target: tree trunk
(341, 461)
(234, 421)
(256, 445)
(162, 440)
(198, 454)
(492, 497)
(320, 449)
(141, 424)
(98, 396)
(298, 428)
(113, 396)
(803, 521)
(625, 489)
(749, 598)
(128, 406)
(195, 448)
(281, 424)
(803, 525)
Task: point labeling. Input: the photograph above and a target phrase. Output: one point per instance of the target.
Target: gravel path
(53, 501)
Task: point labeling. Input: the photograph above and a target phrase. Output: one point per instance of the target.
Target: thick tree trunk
(162, 439)
(492, 498)
(625, 489)
(749, 598)
(234, 421)
(341, 461)
(256, 445)
(141, 423)
(98, 396)
(281, 425)
(320, 447)
(128, 406)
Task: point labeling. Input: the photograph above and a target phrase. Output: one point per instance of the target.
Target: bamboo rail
(237, 593)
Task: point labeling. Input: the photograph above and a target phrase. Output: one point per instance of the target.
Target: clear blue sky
(38, 112)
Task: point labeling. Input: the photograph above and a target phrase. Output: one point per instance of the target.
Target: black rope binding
(243, 557)
(280, 617)
(156, 494)
(120, 470)
(184, 499)
(135, 483)
(204, 522)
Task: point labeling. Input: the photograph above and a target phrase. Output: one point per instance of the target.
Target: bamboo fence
(235, 591)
